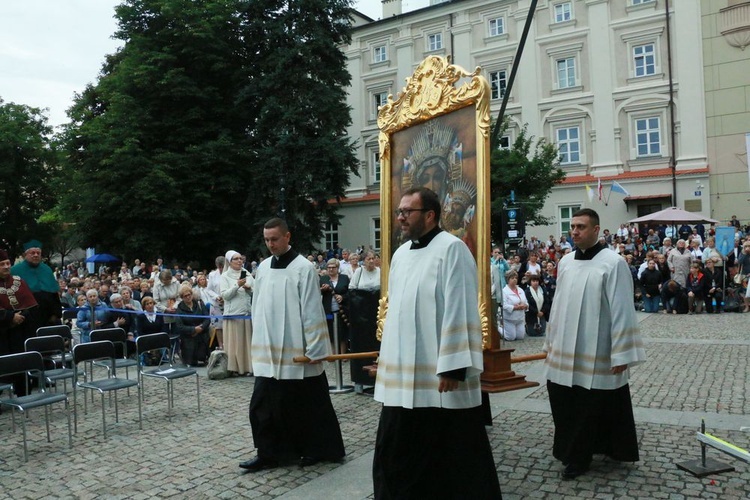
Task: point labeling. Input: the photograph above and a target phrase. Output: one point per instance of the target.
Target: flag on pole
(590, 192)
(599, 189)
(617, 188)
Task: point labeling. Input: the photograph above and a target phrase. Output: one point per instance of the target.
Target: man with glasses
(431, 440)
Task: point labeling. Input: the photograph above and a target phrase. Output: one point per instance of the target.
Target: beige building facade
(594, 78)
(726, 56)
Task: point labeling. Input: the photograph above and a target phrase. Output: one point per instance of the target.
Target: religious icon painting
(435, 134)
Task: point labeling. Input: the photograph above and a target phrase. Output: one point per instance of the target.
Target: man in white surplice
(592, 339)
(430, 362)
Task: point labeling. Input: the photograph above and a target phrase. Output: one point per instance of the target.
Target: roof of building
(639, 174)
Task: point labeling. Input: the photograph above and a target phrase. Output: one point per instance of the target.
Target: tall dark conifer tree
(169, 153)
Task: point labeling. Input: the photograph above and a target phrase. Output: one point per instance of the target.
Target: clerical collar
(283, 261)
(589, 253)
(425, 239)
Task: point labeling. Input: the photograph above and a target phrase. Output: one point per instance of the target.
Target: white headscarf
(227, 259)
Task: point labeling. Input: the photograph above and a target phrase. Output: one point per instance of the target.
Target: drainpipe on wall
(672, 128)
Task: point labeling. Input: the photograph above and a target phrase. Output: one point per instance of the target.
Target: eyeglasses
(406, 212)
(333, 267)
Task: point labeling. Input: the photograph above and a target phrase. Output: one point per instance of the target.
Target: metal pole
(512, 77)
(672, 145)
(339, 388)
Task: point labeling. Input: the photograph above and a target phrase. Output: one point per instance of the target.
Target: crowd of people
(678, 274)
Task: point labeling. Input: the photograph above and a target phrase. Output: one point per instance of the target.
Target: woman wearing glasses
(236, 289)
(334, 287)
(192, 326)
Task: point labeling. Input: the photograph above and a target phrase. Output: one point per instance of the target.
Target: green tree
(178, 149)
(530, 174)
(27, 167)
(303, 153)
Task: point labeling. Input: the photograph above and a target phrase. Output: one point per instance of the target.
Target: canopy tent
(673, 215)
(100, 258)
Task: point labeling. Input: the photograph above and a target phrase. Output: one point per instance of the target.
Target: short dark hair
(430, 200)
(277, 222)
(587, 212)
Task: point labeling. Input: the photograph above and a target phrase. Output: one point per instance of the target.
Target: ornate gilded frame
(429, 106)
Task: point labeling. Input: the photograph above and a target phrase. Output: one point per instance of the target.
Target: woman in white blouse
(514, 308)
(362, 313)
(366, 277)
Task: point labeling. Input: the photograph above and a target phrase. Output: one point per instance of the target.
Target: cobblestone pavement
(697, 365)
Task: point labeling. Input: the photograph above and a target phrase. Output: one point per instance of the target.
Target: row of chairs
(108, 350)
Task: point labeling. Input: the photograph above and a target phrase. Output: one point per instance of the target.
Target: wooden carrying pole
(334, 357)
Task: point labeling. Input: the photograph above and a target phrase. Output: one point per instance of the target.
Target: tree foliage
(27, 166)
(530, 174)
(181, 145)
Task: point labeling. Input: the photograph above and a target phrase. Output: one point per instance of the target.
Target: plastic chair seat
(169, 373)
(34, 400)
(108, 384)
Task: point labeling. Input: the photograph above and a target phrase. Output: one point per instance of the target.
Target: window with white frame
(569, 145)
(498, 83)
(375, 169)
(378, 99)
(495, 26)
(379, 54)
(434, 41)
(648, 136)
(332, 235)
(644, 59)
(375, 226)
(504, 142)
(566, 73)
(563, 12)
(566, 216)
(640, 2)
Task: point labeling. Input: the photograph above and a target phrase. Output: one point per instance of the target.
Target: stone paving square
(696, 368)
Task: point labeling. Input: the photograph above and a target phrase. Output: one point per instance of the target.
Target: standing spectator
(679, 261)
(333, 289)
(345, 267)
(363, 298)
(743, 268)
(666, 247)
(41, 280)
(734, 222)
(684, 231)
(236, 290)
(715, 293)
(16, 303)
(515, 306)
(539, 302)
(165, 294)
(592, 341)
(291, 413)
(430, 362)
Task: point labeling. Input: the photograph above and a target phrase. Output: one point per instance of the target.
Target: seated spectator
(540, 304)
(127, 299)
(696, 286)
(149, 321)
(92, 316)
(192, 326)
(514, 308)
(672, 295)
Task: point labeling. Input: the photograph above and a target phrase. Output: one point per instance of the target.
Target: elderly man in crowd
(41, 280)
(679, 261)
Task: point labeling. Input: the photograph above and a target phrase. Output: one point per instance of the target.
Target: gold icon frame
(432, 101)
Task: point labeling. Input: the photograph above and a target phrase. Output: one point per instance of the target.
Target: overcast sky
(50, 49)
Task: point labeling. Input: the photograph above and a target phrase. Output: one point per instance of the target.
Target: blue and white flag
(617, 188)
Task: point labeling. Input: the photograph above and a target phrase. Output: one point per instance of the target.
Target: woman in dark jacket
(192, 326)
(651, 280)
(149, 321)
(536, 316)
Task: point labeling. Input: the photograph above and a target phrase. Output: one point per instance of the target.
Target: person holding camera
(236, 290)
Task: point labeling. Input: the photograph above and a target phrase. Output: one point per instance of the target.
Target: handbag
(739, 278)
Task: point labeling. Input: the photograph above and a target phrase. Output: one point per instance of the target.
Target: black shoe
(259, 463)
(572, 471)
(308, 461)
